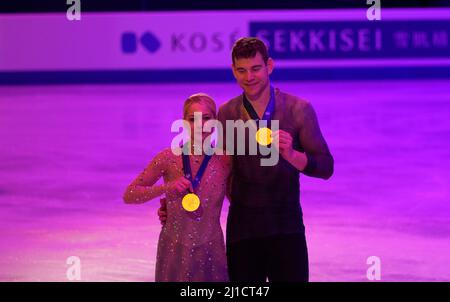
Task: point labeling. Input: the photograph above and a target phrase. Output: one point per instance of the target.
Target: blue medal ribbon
(268, 113)
(188, 171)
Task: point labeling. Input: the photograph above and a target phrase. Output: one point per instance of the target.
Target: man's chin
(251, 92)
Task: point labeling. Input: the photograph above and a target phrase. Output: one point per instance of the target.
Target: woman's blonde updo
(201, 98)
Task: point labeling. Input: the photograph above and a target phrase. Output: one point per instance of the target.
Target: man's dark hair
(248, 47)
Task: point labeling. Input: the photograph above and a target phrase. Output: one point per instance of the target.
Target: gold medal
(264, 136)
(190, 202)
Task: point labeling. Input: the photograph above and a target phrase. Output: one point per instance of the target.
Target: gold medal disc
(190, 202)
(264, 136)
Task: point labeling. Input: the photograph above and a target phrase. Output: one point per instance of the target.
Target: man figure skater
(265, 232)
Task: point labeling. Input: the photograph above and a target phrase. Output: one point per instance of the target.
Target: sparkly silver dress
(191, 244)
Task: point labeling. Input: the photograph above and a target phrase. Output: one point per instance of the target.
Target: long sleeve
(143, 187)
(320, 161)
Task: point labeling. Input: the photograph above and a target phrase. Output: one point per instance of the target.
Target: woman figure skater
(191, 245)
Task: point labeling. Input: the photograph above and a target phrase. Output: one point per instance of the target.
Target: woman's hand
(179, 186)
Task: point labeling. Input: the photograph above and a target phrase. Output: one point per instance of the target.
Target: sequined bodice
(196, 228)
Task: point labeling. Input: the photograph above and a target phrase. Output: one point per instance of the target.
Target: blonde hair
(201, 98)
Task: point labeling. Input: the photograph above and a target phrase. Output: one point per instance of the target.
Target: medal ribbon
(188, 171)
(268, 113)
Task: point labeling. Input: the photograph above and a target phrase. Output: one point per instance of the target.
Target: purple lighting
(85, 106)
(69, 151)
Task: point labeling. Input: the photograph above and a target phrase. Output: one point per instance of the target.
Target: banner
(186, 42)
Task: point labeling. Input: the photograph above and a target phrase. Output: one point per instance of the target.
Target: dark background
(21, 6)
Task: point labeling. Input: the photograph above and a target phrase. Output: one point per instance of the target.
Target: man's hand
(283, 143)
(162, 211)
